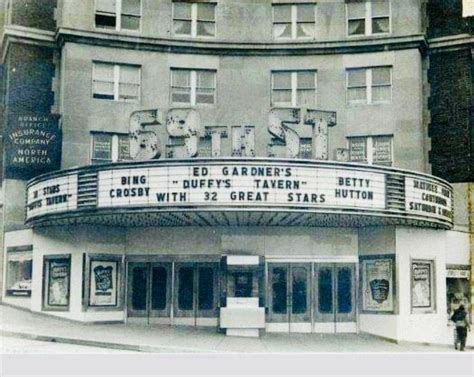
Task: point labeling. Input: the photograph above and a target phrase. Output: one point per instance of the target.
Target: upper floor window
(193, 87)
(118, 14)
(368, 17)
(109, 147)
(194, 19)
(294, 88)
(376, 150)
(116, 82)
(369, 85)
(294, 21)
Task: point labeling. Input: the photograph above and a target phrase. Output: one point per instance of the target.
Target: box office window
(57, 281)
(104, 282)
(294, 88)
(369, 85)
(294, 21)
(193, 87)
(376, 150)
(368, 17)
(422, 286)
(109, 147)
(116, 82)
(194, 19)
(19, 273)
(118, 14)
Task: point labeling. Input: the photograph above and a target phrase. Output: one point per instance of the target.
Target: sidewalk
(19, 323)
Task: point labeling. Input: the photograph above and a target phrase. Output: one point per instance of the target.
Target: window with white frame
(294, 88)
(109, 147)
(194, 19)
(369, 85)
(118, 14)
(368, 17)
(294, 21)
(193, 86)
(116, 82)
(375, 150)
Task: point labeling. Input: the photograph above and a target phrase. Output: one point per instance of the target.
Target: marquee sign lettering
(237, 185)
(54, 195)
(428, 197)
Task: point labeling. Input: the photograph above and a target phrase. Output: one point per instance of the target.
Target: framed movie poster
(57, 279)
(103, 283)
(378, 283)
(422, 287)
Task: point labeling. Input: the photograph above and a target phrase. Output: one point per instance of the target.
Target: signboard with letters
(51, 196)
(32, 145)
(427, 197)
(377, 284)
(242, 185)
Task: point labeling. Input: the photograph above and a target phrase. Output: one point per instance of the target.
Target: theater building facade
(251, 166)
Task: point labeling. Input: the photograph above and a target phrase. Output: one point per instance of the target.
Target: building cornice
(65, 35)
(450, 43)
(26, 35)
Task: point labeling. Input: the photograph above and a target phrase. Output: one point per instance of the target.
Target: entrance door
(196, 294)
(289, 297)
(334, 298)
(149, 291)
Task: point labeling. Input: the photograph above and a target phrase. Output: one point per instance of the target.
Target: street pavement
(52, 335)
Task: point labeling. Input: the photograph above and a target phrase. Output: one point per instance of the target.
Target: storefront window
(57, 277)
(19, 273)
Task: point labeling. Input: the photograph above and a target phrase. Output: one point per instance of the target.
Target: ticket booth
(242, 311)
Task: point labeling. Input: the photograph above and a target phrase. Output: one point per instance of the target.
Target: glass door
(289, 297)
(149, 290)
(334, 298)
(196, 293)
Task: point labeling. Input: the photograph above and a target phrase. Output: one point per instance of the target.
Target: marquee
(221, 186)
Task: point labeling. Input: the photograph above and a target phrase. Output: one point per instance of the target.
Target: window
(57, 278)
(368, 18)
(193, 87)
(369, 85)
(109, 147)
(19, 272)
(297, 88)
(116, 82)
(294, 21)
(118, 14)
(376, 150)
(194, 19)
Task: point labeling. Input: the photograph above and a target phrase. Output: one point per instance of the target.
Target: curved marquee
(235, 191)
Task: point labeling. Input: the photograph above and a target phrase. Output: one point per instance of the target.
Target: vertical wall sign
(59, 273)
(103, 283)
(32, 145)
(378, 283)
(422, 280)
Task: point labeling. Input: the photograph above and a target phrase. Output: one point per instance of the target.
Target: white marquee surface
(240, 185)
